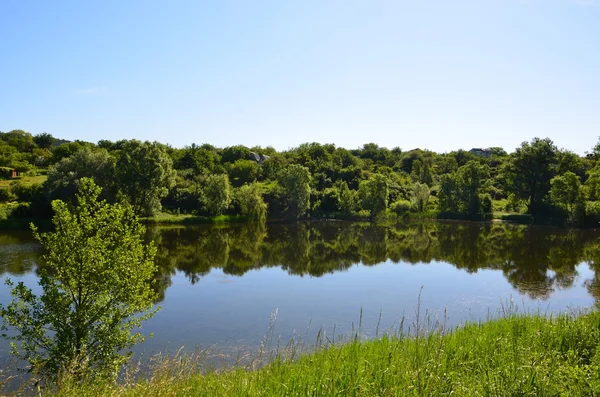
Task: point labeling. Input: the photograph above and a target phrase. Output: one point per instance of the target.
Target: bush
(26, 193)
(6, 194)
(401, 207)
(486, 203)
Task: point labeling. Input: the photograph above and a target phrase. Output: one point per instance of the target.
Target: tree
(232, 154)
(44, 140)
(243, 171)
(216, 194)
(96, 287)
(420, 196)
(295, 181)
(144, 174)
(251, 203)
(348, 200)
(461, 191)
(64, 177)
(421, 172)
(373, 194)
(529, 170)
(566, 192)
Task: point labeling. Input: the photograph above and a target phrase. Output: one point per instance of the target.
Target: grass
(169, 219)
(517, 355)
(25, 180)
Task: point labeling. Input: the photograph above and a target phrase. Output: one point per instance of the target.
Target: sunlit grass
(25, 180)
(517, 355)
(164, 218)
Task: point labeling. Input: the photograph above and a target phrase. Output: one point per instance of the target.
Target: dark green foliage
(373, 195)
(461, 191)
(459, 182)
(295, 182)
(529, 170)
(232, 154)
(6, 194)
(64, 177)
(144, 173)
(44, 140)
(401, 207)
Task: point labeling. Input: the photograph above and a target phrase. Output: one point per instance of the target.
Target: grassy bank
(512, 356)
(169, 219)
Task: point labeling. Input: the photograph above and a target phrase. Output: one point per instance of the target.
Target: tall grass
(516, 355)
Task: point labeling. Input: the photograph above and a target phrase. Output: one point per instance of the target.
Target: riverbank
(385, 219)
(515, 355)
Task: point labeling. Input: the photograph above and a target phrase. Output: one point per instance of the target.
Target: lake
(223, 287)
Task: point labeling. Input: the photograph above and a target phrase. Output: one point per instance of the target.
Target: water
(220, 287)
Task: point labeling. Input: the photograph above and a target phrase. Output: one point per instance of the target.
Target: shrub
(6, 194)
(401, 207)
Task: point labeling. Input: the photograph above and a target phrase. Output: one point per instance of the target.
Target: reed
(513, 355)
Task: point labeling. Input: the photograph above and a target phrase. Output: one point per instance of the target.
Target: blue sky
(438, 74)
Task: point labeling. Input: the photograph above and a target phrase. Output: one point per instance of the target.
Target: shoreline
(516, 354)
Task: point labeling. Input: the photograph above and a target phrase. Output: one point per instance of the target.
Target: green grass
(170, 219)
(25, 180)
(512, 356)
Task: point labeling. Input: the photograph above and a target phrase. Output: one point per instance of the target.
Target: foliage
(95, 283)
(65, 176)
(373, 194)
(145, 174)
(566, 192)
(461, 190)
(232, 154)
(216, 194)
(252, 205)
(348, 199)
(401, 207)
(295, 181)
(529, 171)
(6, 194)
(420, 196)
(243, 171)
(44, 140)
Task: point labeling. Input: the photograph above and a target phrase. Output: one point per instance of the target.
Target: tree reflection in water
(535, 260)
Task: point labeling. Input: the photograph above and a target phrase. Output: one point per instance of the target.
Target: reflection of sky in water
(235, 311)
(232, 313)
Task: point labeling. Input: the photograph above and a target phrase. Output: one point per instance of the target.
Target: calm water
(221, 286)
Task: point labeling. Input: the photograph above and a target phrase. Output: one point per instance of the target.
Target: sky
(431, 74)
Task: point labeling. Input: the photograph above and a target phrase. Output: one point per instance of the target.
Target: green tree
(461, 191)
(447, 195)
(373, 194)
(216, 194)
(44, 140)
(421, 172)
(251, 203)
(420, 196)
(529, 170)
(232, 154)
(567, 193)
(243, 171)
(96, 289)
(348, 198)
(64, 177)
(295, 181)
(144, 174)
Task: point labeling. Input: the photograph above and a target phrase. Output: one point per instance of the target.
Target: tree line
(311, 180)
